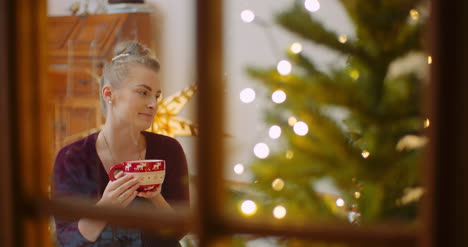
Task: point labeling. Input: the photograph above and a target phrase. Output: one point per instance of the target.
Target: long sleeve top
(78, 171)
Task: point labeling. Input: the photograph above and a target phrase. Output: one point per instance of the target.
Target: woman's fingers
(127, 186)
(113, 185)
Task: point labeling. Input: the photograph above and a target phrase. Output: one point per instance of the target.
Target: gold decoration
(166, 121)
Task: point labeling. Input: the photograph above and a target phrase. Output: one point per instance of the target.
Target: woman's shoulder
(79, 147)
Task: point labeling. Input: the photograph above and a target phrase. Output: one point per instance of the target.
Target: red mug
(150, 173)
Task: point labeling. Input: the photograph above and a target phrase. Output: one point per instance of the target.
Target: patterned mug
(150, 173)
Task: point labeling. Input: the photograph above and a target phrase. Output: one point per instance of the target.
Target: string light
(248, 208)
(247, 95)
(343, 38)
(301, 128)
(247, 16)
(284, 67)
(278, 96)
(296, 47)
(261, 150)
(414, 14)
(279, 212)
(357, 194)
(277, 184)
(292, 121)
(239, 169)
(429, 59)
(339, 202)
(354, 74)
(427, 123)
(312, 5)
(275, 132)
(365, 154)
(289, 154)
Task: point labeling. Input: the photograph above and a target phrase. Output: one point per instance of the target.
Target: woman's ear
(107, 93)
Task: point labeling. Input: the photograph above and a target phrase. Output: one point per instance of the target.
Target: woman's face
(135, 101)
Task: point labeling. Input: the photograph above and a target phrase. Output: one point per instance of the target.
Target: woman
(129, 91)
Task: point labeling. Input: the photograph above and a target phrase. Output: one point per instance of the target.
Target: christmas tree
(371, 150)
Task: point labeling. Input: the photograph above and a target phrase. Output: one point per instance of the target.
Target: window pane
(117, 103)
(323, 110)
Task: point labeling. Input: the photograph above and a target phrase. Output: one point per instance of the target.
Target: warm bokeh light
(343, 38)
(277, 184)
(275, 132)
(339, 202)
(365, 154)
(429, 59)
(248, 208)
(357, 194)
(312, 5)
(284, 67)
(296, 47)
(292, 121)
(427, 123)
(247, 95)
(279, 212)
(261, 150)
(278, 96)
(301, 128)
(239, 169)
(289, 154)
(414, 14)
(247, 15)
(354, 74)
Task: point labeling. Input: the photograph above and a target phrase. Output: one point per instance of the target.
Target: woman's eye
(144, 93)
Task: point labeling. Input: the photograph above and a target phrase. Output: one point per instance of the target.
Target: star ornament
(166, 122)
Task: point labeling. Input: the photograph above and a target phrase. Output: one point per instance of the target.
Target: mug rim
(144, 161)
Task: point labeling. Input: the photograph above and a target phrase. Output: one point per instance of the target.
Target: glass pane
(248, 240)
(324, 109)
(120, 109)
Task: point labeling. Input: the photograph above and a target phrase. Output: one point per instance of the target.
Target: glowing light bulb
(427, 123)
(357, 194)
(239, 169)
(275, 132)
(247, 95)
(261, 150)
(339, 202)
(248, 208)
(414, 14)
(284, 67)
(277, 184)
(289, 154)
(354, 74)
(343, 38)
(292, 121)
(278, 96)
(296, 47)
(429, 59)
(279, 212)
(365, 154)
(247, 15)
(300, 128)
(312, 5)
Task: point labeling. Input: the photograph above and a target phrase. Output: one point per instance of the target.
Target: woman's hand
(121, 191)
(156, 198)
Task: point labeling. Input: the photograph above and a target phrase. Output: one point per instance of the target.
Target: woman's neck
(123, 143)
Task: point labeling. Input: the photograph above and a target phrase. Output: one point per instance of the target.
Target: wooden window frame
(24, 140)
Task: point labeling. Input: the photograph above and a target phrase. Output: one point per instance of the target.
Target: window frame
(24, 202)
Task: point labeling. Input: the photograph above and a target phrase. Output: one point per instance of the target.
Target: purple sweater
(78, 171)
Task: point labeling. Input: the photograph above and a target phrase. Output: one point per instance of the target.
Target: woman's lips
(147, 115)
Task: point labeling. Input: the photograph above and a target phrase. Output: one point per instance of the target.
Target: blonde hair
(116, 70)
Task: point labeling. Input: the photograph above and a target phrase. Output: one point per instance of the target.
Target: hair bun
(131, 47)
